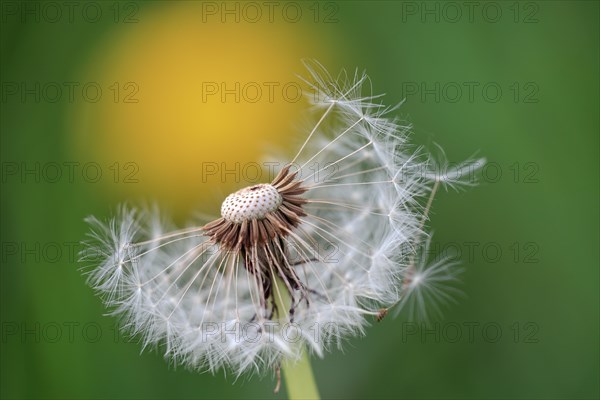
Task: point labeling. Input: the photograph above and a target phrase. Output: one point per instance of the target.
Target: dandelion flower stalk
(299, 379)
(293, 266)
(298, 375)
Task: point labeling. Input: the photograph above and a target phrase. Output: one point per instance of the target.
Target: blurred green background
(517, 81)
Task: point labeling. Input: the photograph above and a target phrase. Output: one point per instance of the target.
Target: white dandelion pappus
(340, 226)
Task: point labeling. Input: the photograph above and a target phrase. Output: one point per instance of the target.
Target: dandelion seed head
(339, 231)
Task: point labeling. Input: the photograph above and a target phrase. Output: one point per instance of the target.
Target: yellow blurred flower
(180, 90)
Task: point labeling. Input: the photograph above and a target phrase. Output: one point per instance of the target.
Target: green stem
(298, 374)
(299, 378)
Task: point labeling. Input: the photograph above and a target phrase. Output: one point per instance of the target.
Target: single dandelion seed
(340, 232)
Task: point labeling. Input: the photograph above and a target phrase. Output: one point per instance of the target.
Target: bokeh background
(105, 102)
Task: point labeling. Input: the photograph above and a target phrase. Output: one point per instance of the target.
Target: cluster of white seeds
(253, 202)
